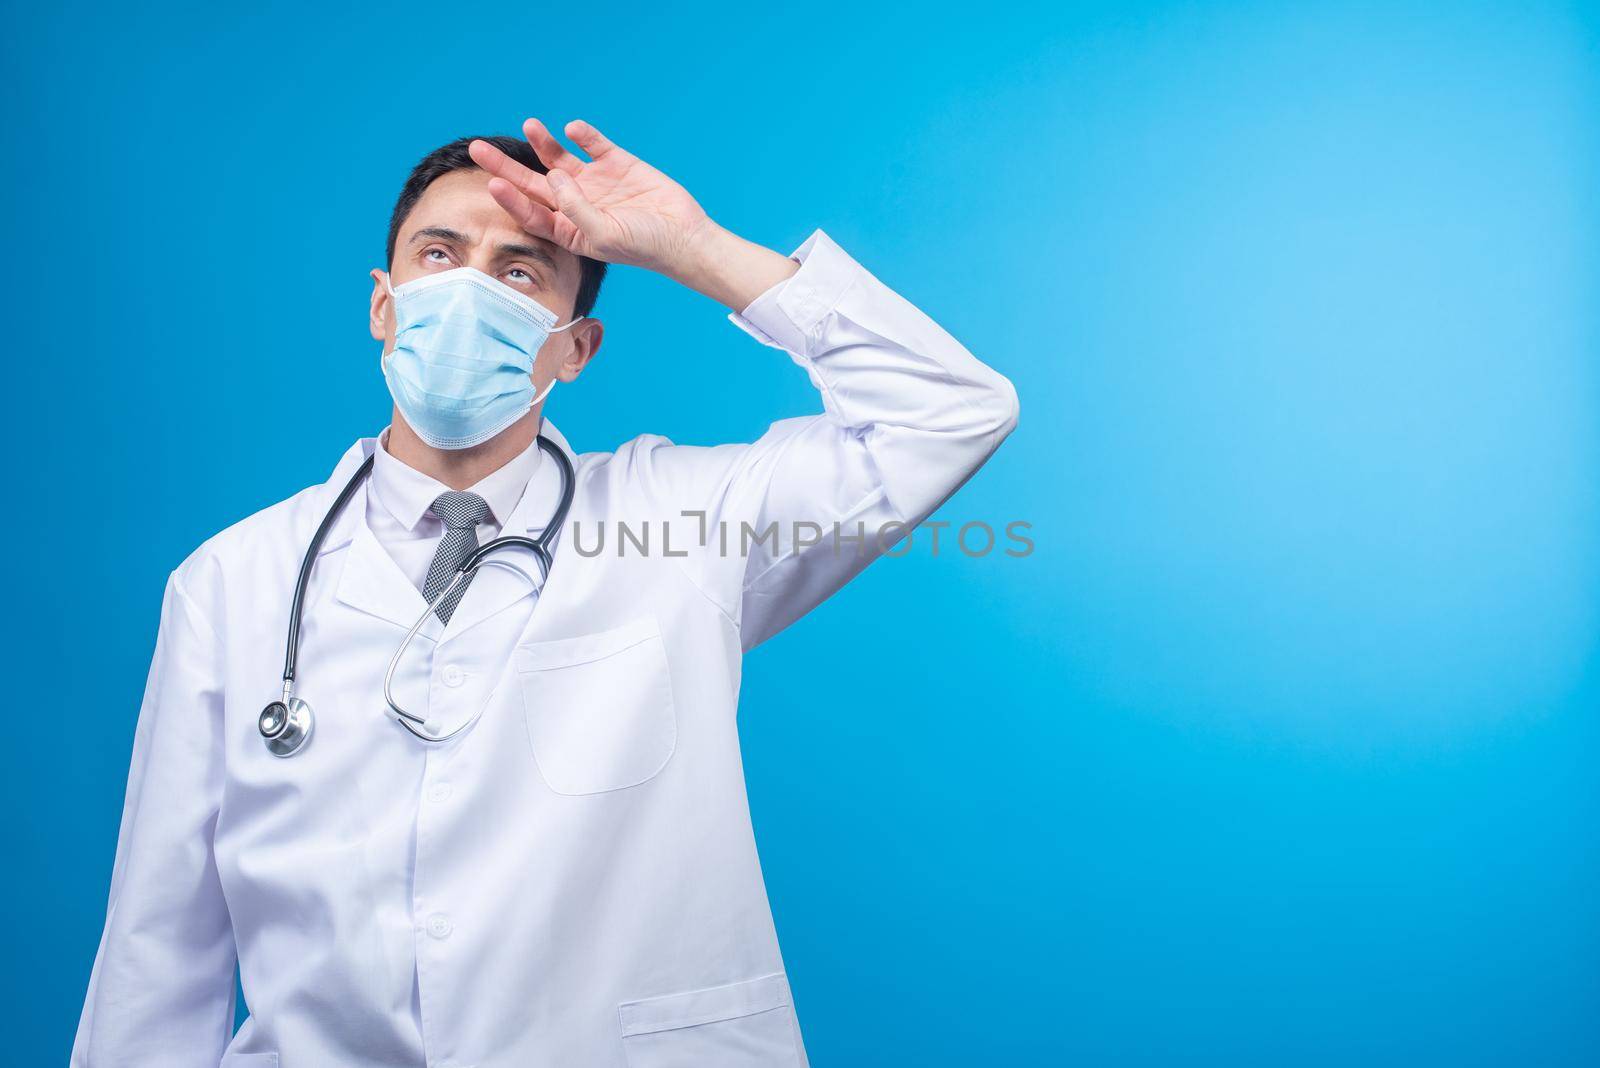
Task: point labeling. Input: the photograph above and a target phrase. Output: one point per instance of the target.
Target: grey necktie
(461, 512)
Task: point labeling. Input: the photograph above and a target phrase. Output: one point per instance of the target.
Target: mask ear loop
(546, 390)
(543, 393)
(388, 287)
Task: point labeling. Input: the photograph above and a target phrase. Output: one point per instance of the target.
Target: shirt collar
(406, 493)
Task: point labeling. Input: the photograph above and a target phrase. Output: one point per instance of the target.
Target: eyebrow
(439, 233)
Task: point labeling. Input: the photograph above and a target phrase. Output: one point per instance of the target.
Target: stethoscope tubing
(410, 720)
(291, 653)
(540, 547)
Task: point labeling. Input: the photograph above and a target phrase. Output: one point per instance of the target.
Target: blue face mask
(464, 343)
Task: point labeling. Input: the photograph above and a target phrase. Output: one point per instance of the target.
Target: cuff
(787, 315)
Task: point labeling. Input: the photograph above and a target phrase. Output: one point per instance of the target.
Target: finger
(551, 153)
(590, 139)
(570, 201)
(497, 163)
(533, 217)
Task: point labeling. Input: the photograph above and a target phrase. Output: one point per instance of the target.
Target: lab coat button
(439, 791)
(439, 925)
(452, 675)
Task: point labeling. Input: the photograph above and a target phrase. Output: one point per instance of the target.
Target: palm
(614, 207)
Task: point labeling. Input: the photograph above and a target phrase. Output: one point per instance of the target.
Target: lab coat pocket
(599, 707)
(742, 1025)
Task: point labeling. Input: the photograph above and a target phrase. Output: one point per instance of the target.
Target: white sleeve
(161, 991)
(908, 415)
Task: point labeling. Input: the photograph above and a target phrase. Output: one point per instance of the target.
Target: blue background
(1281, 747)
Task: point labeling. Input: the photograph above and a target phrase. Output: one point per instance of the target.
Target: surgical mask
(464, 345)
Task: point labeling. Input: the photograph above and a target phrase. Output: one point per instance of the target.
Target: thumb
(570, 201)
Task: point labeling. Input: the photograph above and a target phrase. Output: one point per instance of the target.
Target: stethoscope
(286, 723)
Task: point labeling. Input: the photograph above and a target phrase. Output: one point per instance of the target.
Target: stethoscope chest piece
(286, 727)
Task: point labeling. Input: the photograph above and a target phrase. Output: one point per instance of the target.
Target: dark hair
(453, 157)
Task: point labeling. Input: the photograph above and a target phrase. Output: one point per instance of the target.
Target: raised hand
(614, 207)
(617, 208)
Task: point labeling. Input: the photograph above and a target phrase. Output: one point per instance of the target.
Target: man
(555, 864)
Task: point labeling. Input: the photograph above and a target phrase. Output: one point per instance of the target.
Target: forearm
(928, 408)
(910, 414)
(725, 267)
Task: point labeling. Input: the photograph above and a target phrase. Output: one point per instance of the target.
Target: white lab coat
(573, 880)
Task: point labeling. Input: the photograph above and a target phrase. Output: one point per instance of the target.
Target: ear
(586, 337)
(380, 316)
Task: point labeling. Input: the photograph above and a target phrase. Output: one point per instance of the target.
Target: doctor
(571, 880)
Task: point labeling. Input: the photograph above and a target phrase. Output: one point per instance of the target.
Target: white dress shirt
(401, 496)
(572, 880)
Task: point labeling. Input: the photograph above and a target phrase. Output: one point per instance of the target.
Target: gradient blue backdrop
(1280, 749)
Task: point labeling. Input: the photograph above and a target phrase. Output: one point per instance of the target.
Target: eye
(435, 254)
(520, 277)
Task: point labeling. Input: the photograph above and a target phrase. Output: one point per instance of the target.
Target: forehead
(460, 201)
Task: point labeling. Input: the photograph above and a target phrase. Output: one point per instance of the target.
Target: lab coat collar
(369, 579)
(355, 512)
(372, 582)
